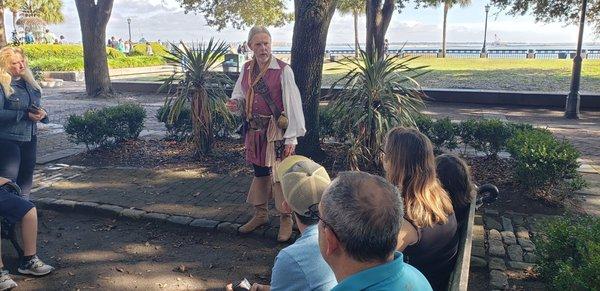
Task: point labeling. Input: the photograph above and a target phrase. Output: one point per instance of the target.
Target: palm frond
(199, 85)
(373, 96)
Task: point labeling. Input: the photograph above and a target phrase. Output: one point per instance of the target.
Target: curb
(115, 211)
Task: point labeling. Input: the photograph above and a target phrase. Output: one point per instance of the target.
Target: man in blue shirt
(360, 217)
(300, 266)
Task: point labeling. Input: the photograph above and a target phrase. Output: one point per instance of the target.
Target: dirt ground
(100, 253)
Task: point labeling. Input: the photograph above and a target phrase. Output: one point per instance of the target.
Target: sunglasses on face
(313, 210)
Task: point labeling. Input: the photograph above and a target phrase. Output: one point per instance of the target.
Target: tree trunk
(446, 7)
(356, 47)
(14, 20)
(202, 122)
(312, 18)
(2, 28)
(93, 19)
(378, 21)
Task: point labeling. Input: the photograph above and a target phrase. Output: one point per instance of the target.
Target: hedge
(569, 250)
(76, 64)
(158, 49)
(66, 51)
(106, 125)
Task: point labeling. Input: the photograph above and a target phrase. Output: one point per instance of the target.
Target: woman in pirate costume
(267, 97)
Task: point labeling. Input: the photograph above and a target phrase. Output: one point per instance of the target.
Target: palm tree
(376, 95)
(356, 7)
(199, 85)
(14, 6)
(447, 5)
(49, 11)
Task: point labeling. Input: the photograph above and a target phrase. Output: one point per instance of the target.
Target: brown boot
(261, 216)
(285, 227)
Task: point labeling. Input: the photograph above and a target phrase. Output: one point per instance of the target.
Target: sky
(165, 20)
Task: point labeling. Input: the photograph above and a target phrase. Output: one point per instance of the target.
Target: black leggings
(261, 171)
(17, 161)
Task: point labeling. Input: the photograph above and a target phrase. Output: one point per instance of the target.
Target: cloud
(166, 20)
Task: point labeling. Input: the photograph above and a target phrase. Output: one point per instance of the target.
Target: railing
(507, 54)
(476, 53)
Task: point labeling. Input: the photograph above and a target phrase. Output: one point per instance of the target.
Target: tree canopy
(566, 11)
(352, 6)
(240, 13)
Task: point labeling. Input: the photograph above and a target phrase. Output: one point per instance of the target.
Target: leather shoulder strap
(262, 88)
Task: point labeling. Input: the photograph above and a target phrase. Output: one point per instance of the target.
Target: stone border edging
(115, 211)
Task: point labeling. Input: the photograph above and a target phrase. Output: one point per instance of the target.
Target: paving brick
(515, 253)
(178, 219)
(509, 237)
(109, 209)
(204, 223)
(498, 279)
(520, 265)
(497, 264)
(158, 217)
(228, 227)
(133, 213)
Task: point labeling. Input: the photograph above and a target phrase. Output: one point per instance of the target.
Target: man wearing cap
(360, 217)
(300, 266)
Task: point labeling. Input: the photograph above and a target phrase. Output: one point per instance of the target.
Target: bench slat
(459, 279)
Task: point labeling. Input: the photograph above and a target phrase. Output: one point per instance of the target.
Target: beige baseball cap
(303, 182)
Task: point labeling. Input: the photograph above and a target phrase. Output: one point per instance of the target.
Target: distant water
(492, 45)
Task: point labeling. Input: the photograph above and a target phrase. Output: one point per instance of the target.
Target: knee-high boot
(258, 195)
(285, 218)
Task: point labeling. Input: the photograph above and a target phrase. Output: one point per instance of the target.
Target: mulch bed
(228, 158)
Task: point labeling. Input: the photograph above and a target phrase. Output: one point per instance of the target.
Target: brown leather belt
(260, 122)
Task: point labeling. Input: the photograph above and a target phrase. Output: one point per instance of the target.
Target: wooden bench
(459, 279)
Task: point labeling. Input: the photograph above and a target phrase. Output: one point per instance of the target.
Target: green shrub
(488, 135)
(443, 135)
(423, 123)
(569, 253)
(64, 51)
(134, 62)
(59, 64)
(126, 120)
(100, 127)
(90, 128)
(181, 128)
(76, 64)
(441, 132)
(139, 49)
(466, 132)
(112, 53)
(542, 159)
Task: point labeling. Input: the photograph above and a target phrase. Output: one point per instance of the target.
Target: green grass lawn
(496, 74)
(488, 74)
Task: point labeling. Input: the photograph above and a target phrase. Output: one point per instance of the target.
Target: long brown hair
(410, 165)
(455, 176)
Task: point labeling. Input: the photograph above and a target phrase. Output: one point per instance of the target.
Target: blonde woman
(428, 235)
(20, 111)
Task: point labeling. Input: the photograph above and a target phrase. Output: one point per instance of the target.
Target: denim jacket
(14, 120)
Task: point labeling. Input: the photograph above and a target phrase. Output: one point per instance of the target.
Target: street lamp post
(129, 26)
(573, 99)
(487, 9)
